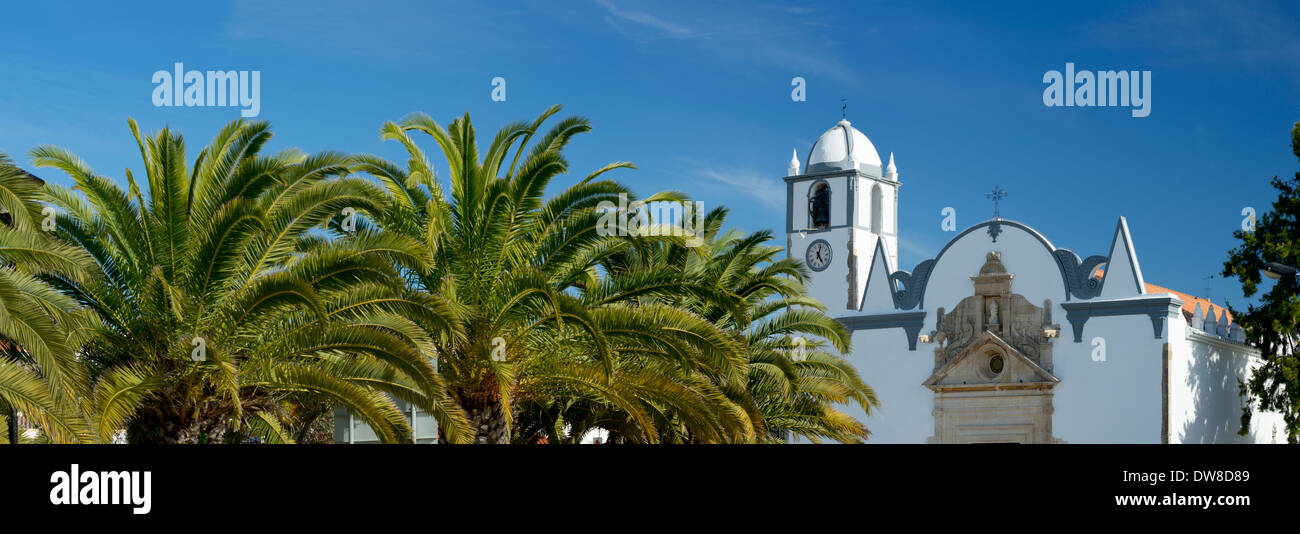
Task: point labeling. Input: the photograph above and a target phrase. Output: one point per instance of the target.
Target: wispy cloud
(912, 248)
(785, 37)
(763, 188)
(614, 13)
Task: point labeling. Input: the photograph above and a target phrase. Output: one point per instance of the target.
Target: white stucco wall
(830, 285)
(896, 375)
(888, 215)
(1204, 402)
(1117, 400)
(800, 194)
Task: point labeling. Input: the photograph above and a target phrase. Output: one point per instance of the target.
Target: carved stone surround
(992, 376)
(994, 308)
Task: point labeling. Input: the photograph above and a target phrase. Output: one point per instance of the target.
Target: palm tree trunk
(166, 424)
(11, 416)
(489, 423)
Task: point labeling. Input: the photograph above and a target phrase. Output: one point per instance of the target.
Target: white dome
(842, 148)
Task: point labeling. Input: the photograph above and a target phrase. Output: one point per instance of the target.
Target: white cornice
(1194, 334)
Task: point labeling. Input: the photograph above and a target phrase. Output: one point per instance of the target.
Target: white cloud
(766, 189)
(912, 248)
(645, 19)
(792, 38)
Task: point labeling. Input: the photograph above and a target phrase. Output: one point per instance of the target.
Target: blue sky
(698, 95)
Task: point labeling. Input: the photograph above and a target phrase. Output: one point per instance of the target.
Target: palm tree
(39, 327)
(520, 269)
(793, 383)
(228, 300)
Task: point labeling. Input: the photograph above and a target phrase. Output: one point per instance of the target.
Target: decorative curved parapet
(1078, 275)
(1075, 279)
(910, 322)
(1157, 307)
(913, 285)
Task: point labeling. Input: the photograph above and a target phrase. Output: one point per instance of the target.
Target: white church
(1002, 336)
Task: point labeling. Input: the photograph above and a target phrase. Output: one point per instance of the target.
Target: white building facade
(1002, 336)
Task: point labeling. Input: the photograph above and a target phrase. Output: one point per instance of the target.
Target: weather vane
(996, 196)
(844, 108)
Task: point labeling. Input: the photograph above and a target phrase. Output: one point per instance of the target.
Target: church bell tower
(837, 209)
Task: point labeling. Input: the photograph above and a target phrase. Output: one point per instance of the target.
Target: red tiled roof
(1190, 302)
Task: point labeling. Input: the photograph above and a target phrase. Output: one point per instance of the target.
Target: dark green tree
(1271, 325)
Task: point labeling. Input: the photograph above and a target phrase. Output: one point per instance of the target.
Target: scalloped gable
(879, 293)
(1123, 276)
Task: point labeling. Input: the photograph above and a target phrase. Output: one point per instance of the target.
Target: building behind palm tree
(349, 429)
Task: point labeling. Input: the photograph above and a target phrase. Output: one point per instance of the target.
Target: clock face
(819, 255)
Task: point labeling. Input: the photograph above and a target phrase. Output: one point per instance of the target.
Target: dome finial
(844, 108)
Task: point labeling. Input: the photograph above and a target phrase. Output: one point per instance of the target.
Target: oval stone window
(995, 364)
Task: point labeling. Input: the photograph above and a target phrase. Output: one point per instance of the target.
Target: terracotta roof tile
(1190, 302)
